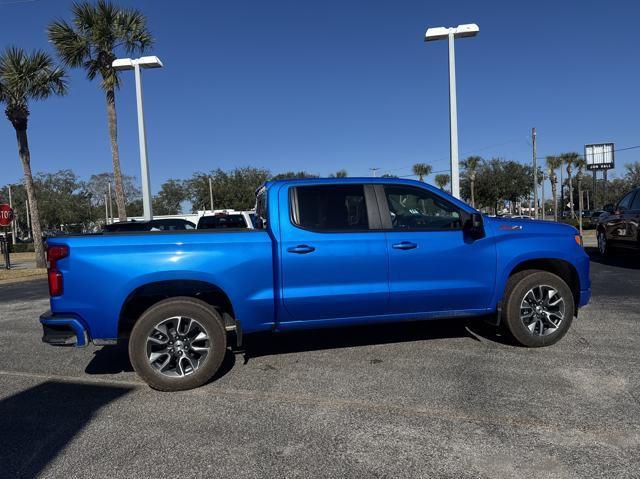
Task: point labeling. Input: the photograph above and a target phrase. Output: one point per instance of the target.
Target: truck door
(616, 223)
(433, 267)
(333, 264)
(633, 221)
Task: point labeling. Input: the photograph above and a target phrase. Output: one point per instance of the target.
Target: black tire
(518, 286)
(604, 248)
(206, 317)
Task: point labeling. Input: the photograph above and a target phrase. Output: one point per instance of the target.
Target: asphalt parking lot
(435, 399)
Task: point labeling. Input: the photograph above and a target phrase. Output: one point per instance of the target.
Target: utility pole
(561, 212)
(542, 210)
(106, 211)
(110, 204)
(210, 195)
(587, 192)
(535, 175)
(375, 171)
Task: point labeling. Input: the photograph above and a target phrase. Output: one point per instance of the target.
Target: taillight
(55, 283)
(54, 253)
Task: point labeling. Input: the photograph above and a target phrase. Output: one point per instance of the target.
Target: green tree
(25, 77)
(421, 170)
(553, 163)
(470, 166)
(569, 159)
(231, 190)
(63, 200)
(339, 174)
(442, 180)
(293, 175)
(170, 197)
(90, 42)
(632, 174)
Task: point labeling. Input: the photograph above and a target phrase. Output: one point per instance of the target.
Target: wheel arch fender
(145, 295)
(559, 266)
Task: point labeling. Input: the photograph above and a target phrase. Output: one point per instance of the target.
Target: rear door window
(330, 208)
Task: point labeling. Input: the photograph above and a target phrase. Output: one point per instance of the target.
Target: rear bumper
(63, 330)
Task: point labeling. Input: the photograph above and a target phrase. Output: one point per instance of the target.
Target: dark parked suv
(620, 226)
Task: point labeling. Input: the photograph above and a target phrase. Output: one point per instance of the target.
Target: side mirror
(474, 226)
(609, 208)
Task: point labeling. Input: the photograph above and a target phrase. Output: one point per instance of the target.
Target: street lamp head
(122, 64)
(149, 62)
(438, 33)
(467, 30)
(461, 31)
(129, 64)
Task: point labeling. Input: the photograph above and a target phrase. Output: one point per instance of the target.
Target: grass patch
(17, 275)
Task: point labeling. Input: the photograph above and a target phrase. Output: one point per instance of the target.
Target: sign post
(599, 156)
(6, 217)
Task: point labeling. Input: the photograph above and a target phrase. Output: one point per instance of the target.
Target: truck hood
(530, 226)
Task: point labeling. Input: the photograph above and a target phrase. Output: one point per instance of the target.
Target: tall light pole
(441, 33)
(136, 65)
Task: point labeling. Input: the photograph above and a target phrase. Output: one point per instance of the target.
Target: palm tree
(442, 180)
(553, 163)
(90, 42)
(471, 165)
(25, 77)
(421, 170)
(580, 164)
(570, 159)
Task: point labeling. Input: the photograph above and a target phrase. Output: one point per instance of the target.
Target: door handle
(405, 245)
(301, 249)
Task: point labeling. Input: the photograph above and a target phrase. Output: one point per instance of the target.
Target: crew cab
(324, 253)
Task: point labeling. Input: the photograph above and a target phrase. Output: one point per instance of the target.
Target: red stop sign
(6, 215)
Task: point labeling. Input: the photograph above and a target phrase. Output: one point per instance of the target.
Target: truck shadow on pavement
(623, 259)
(299, 341)
(115, 359)
(39, 422)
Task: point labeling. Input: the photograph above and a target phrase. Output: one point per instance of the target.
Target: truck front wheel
(178, 344)
(538, 308)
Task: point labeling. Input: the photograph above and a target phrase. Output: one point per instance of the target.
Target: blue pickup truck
(324, 253)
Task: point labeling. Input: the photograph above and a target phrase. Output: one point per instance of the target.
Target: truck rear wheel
(538, 308)
(178, 344)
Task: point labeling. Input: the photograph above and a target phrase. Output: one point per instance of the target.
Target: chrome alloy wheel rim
(542, 310)
(177, 346)
(602, 242)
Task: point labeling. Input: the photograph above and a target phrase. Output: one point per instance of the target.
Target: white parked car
(227, 219)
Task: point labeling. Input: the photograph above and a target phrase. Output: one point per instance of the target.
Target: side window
(636, 202)
(261, 216)
(330, 208)
(417, 209)
(625, 203)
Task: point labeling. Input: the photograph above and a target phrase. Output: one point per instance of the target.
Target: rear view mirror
(474, 226)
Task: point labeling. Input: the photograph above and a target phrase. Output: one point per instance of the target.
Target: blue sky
(320, 86)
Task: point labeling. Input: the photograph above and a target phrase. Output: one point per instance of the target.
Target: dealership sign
(599, 156)
(6, 215)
